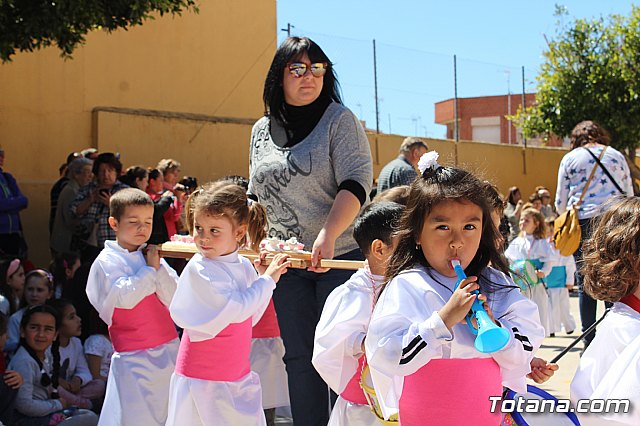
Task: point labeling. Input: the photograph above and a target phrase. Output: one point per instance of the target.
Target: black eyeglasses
(299, 69)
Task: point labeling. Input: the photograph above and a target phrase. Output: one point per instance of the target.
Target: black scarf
(299, 121)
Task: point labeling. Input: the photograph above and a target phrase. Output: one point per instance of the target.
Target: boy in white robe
(338, 352)
(131, 288)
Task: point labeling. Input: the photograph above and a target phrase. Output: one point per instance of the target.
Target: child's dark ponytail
(55, 371)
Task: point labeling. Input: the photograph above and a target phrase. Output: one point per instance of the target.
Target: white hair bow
(427, 161)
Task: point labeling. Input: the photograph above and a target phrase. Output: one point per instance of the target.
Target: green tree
(27, 25)
(591, 72)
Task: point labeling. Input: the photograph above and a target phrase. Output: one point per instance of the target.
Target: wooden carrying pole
(298, 260)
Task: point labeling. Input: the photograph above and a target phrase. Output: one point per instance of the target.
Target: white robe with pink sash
(217, 302)
(406, 333)
(267, 351)
(132, 299)
(337, 350)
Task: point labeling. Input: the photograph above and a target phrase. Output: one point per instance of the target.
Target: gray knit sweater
(298, 185)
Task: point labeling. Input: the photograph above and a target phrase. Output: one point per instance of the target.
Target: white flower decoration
(428, 160)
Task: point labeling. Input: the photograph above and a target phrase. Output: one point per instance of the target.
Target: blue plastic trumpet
(490, 338)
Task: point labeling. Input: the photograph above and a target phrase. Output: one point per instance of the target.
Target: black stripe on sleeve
(526, 343)
(411, 344)
(412, 355)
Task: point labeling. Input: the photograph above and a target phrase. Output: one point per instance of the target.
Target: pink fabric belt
(145, 326)
(225, 358)
(353, 392)
(453, 391)
(268, 324)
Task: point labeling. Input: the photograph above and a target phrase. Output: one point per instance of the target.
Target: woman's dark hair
(512, 195)
(292, 49)
(107, 158)
(154, 173)
(132, 174)
(588, 132)
(429, 190)
(55, 346)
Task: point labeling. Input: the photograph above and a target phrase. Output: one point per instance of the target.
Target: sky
(415, 44)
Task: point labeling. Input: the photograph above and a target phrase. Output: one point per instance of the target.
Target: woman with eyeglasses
(37, 402)
(310, 166)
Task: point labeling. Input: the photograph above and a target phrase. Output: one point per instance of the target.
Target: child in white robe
(219, 298)
(610, 367)
(131, 288)
(559, 282)
(338, 352)
(532, 245)
(422, 356)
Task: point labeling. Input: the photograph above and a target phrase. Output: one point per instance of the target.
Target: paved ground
(558, 385)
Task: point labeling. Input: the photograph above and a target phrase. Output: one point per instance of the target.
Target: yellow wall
(211, 63)
(163, 90)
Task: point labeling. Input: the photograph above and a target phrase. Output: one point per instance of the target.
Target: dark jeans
(299, 299)
(588, 305)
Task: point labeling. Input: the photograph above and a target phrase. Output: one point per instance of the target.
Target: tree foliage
(591, 72)
(27, 25)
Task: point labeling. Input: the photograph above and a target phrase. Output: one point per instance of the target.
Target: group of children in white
(398, 328)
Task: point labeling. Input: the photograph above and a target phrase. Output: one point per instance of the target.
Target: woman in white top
(588, 140)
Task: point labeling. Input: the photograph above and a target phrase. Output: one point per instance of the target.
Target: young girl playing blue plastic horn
(422, 354)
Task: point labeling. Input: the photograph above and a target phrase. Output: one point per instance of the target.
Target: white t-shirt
(99, 345)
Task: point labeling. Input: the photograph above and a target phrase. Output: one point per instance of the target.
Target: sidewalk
(559, 384)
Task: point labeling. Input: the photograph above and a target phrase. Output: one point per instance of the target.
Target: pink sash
(268, 325)
(353, 392)
(145, 326)
(451, 392)
(225, 358)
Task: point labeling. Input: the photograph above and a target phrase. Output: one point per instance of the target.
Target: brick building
(484, 119)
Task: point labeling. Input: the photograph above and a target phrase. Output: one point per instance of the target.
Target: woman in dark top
(310, 166)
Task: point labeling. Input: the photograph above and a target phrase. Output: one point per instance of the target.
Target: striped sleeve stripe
(412, 355)
(526, 344)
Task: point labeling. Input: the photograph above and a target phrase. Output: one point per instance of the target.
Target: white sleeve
(404, 335)
(82, 368)
(108, 288)
(205, 305)
(514, 251)
(167, 282)
(339, 335)
(523, 323)
(546, 256)
(252, 277)
(570, 267)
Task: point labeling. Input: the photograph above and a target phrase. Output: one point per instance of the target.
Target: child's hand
(259, 263)
(541, 371)
(569, 287)
(75, 384)
(152, 256)
(13, 379)
(540, 274)
(64, 384)
(278, 266)
(487, 308)
(457, 307)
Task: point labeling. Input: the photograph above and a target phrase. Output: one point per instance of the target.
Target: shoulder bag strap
(595, 166)
(604, 169)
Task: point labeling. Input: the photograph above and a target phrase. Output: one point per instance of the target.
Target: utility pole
(288, 29)
(524, 105)
(375, 83)
(456, 133)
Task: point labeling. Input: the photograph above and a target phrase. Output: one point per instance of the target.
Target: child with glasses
(38, 288)
(38, 402)
(131, 288)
